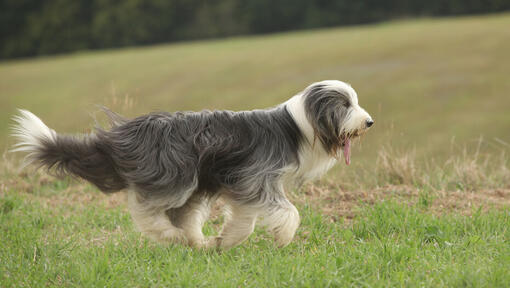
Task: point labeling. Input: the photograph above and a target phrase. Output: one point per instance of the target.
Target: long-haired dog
(174, 166)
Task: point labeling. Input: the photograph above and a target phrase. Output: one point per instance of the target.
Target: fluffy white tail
(82, 156)
(31, 133)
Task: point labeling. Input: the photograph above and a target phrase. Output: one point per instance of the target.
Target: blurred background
(433, 74)
(34, 27)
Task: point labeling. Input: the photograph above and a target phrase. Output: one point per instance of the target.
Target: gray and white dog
(174, 166)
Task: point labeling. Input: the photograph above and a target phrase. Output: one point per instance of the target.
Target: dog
(174, 166)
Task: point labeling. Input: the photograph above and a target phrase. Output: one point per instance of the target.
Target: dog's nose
(370, 122)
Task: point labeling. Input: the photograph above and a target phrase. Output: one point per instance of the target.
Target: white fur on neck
(296, 108)
(314, 160)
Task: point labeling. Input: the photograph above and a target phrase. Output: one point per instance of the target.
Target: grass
(425, 203)
(387, 244)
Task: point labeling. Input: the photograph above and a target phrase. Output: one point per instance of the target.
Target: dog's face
(332, 110)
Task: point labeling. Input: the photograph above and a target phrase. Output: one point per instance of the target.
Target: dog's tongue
(347, 151)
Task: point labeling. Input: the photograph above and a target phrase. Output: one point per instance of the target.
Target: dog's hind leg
(191, 218)
(153, 221)
(239, 224)
(282, 220)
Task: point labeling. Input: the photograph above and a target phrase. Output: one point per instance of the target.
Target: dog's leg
(191, 218)
(239, 224)
(153, 221)
(282, 220)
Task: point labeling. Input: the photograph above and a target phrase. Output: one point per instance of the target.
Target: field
(426, 201)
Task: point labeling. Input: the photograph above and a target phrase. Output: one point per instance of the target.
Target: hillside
(426, 82)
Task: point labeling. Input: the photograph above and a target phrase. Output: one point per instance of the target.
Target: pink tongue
(347, 151)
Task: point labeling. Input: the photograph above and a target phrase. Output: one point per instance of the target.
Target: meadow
(426, 201)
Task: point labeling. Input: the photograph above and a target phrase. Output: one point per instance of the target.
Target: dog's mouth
(346, 146)
(345, 141)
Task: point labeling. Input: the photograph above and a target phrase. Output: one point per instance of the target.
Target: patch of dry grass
(467, 170)
(38, 185)
(341, 205)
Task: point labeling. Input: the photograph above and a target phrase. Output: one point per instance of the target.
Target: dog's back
(165, 153)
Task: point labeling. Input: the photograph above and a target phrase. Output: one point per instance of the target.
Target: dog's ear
(326, 111)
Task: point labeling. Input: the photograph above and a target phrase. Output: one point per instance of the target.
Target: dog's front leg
(282, 220)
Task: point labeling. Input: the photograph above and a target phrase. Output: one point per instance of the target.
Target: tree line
(40, 27)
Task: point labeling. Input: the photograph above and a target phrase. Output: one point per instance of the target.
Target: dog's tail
(66, 155)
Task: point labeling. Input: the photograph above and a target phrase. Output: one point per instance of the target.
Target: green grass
(426, 202)
(389, 244)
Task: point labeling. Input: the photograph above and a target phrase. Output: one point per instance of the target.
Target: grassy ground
(60, 233)
(426, 203)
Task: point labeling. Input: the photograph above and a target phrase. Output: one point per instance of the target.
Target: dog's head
(332, 110)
